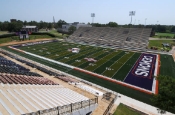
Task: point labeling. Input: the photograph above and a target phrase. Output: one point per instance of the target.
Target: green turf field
(109, 62)
(167, 67)
(124, 110)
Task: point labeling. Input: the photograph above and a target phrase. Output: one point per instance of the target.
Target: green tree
(173, 29)
(49, 25)
(60, 23)
(112, 24)
(15, 26)
(72, 29)
(161, 28)
(165, 99)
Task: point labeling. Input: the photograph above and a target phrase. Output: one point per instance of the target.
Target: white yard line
(90, 55)
(122, 65)
(114, 63)
(132, 66)
(100, 59)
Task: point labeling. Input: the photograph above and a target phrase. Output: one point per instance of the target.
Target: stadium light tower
(131, 13)
(53, 22)
(92, 15)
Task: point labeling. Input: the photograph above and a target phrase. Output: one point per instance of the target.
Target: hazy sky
(161, 11)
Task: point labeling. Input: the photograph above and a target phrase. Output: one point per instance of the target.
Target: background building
(65, 27)
(30, 28)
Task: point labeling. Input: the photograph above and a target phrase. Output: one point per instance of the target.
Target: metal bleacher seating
(31, 65)
(25, 99)
(25, 93)
(7, 66)
(123, 38)
(23, 79)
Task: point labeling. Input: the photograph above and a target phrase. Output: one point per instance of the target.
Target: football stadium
(75, 68)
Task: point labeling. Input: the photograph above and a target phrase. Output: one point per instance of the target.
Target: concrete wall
(65, 27)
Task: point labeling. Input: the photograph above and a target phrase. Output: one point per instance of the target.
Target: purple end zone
(142, 73)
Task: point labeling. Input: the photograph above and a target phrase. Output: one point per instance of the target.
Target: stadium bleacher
(31, 64)
(25, 93)
(23, 79)
(7, 66)
(123, 38)
(38, 99)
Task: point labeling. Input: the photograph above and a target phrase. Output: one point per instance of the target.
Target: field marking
(106, 61)
(123, 65)
(100, 60)
(101, 52)
(114, 63)
(132, 66)
(92, 51)
(65, 53)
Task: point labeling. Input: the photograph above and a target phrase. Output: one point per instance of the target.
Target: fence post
(58, 110)
(71, 107)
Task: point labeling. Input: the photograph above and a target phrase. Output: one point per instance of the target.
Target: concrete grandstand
(121, 38)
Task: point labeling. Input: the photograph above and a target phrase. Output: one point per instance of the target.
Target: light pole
(156, 25)
(134, 21)
(138, 22)
(145, 21)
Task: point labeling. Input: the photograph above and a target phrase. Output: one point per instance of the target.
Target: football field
(110, 63)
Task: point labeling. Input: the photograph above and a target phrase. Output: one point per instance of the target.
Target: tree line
(17, 25)
(156, 28)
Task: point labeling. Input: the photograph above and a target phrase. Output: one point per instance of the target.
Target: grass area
(16, 38)
(5, 40)
(167, 67)
(163, 35)
(124, 110)
(57, 34)
(3, 32)
(158, 43)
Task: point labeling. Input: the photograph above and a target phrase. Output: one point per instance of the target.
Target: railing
(66, 109)
(109, 106)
